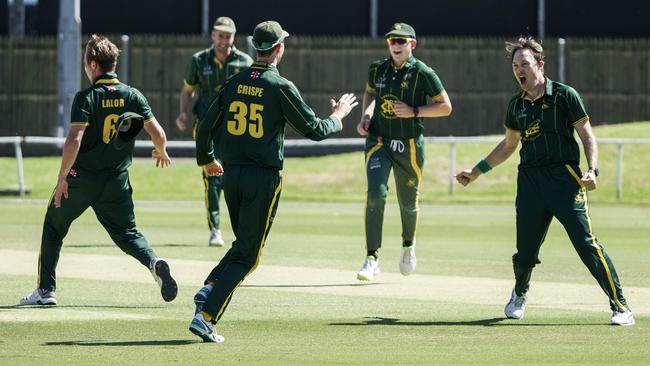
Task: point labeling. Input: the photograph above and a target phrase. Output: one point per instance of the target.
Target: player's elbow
(446, 109)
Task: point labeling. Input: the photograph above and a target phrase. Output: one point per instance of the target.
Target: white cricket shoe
(516, 307)
(369, 269)
(204, 329)
(407, 261)
(39, 297)
(216, 240)
(623, 318)
(160, 272)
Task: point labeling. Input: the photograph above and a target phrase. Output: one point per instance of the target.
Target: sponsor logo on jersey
(387, 106)
(207, 70)
(255, 74)
(111, 88)
(533, 131)
(380, 82)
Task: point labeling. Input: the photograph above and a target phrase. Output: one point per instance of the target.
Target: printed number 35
(241, 123)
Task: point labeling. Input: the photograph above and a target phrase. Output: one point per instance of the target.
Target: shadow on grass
(310, 286)
(169, 342)
(79, 307)
(107, 245)
(492, 322)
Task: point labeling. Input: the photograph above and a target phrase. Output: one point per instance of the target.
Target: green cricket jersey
(250, 115)
(414, 84)
(98, 108)
(546, 125)
(208, 74)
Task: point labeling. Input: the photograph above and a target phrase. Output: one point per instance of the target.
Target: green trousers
(252, 195)
(110, 198)
(556, 191)
(211, 190)
(406, 158)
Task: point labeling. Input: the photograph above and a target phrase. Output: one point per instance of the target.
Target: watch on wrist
(596, 171)
(416, 110)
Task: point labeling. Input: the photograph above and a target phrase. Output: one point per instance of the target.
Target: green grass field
(304, 305)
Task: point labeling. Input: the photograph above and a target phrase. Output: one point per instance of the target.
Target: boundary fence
(452, 141)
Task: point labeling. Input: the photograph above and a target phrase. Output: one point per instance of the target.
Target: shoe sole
(206, 338)
(623, 325)
(218, 245)
(169, 288)
(364, 278)
(40, 303)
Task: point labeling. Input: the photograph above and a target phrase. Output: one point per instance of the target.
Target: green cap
(401, 30)
(128, 126)
(224, 24)
(267, 35)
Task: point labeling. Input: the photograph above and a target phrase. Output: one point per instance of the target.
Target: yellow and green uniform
(549, 185)
(397, 143)
(206, 75)
(249, 117)
(99, 176)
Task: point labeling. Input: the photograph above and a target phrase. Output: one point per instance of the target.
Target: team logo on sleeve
(387, 106)
(533, 131)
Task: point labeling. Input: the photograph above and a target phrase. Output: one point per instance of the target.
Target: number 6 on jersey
(238, 126)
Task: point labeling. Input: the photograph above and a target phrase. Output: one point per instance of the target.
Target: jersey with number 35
(98, 108)
(250, 114)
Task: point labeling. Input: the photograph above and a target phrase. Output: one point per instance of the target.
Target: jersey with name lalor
(99, 108)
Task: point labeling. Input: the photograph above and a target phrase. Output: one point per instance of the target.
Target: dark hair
(525, 43)
(102, 51)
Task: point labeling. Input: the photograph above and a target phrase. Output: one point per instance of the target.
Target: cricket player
(401, 92)
(206, 73)
(550, 183)
(97, 152)
(249, 117)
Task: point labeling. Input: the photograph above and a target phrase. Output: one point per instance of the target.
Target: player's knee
(377, 196)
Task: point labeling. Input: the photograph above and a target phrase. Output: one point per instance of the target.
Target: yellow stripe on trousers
(206, 188)
(373, 150)
(259, 252)
(418, 175)
(593, 238)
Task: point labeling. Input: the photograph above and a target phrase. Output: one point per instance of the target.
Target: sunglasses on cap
(397, 40)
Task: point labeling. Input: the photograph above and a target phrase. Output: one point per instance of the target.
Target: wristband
(483, 166)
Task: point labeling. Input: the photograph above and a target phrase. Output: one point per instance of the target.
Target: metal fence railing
(452, 141)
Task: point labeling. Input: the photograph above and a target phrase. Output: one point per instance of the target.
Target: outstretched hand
(162, 159)
(344, 106)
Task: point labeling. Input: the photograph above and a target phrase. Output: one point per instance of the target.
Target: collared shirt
(250, 115)
(207, 74)
(414, 83)
(546, 125)
(99, 108)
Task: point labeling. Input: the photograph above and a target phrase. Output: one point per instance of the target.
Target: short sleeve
(372, 73)
(191, 72)
(141, 106)
(576, 108)
(432, 84)
(81, 110)
(511, 121)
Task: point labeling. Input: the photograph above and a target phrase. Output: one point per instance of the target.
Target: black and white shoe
(39, 297)
(160, 271)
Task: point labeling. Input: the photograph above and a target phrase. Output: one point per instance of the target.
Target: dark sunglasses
(395, 40)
